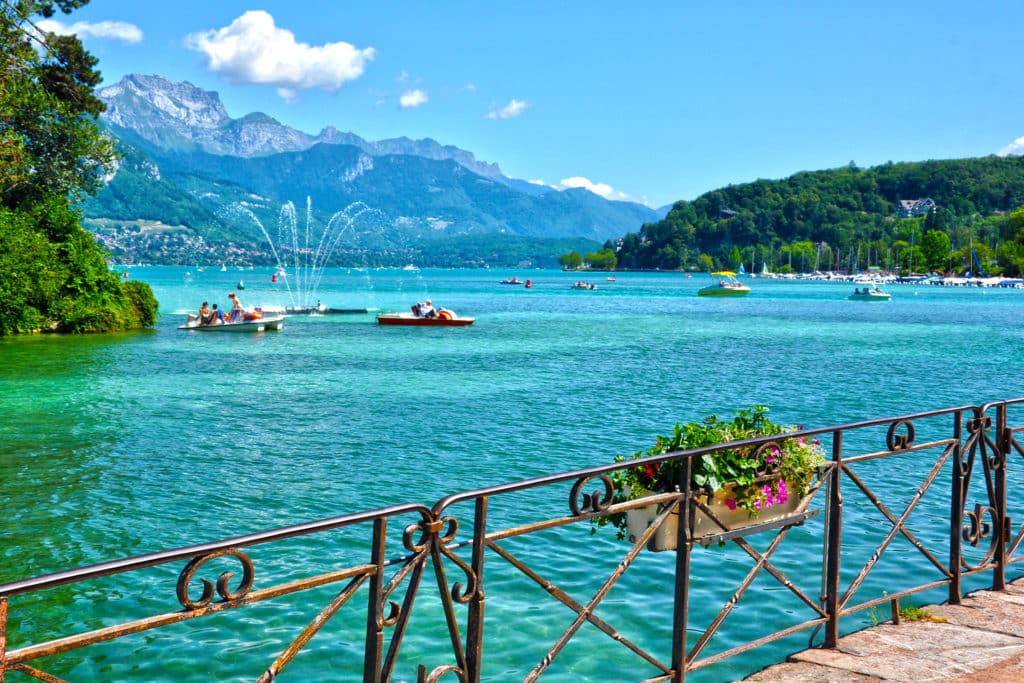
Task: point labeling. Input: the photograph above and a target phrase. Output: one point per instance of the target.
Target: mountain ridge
(188, 165)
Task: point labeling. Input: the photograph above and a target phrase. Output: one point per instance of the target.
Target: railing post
(1003, 449)
(475, 619)
(3, 637)
(680, 611)
(956, 506)
(833, 542)
(374, 652)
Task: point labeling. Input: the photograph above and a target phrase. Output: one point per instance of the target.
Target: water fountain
(302, 268)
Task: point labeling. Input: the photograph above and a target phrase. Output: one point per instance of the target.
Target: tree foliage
(52, 154)
(842, 218)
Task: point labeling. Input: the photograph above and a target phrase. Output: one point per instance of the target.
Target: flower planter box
(705, 530)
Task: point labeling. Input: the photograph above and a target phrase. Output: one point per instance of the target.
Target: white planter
(664, 538)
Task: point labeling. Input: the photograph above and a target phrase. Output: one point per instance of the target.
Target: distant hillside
(190, 168)
(847, 211)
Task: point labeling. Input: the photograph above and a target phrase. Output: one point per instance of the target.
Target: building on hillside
(914, 208)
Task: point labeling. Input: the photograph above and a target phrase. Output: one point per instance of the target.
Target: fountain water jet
(307, 263)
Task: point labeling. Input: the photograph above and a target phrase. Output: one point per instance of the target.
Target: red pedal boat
(444, 318)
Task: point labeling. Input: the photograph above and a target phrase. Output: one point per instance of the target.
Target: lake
(120, 445)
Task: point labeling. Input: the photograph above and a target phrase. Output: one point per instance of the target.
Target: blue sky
(649, 101)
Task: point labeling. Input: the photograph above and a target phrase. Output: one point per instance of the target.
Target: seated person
(204, 312)
(216, 316)
(427, 310)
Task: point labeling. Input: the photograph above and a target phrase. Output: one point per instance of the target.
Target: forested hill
(846, 211)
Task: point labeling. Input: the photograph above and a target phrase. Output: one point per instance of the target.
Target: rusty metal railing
(960, 459)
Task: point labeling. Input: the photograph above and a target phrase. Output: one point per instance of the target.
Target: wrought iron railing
(935, 489)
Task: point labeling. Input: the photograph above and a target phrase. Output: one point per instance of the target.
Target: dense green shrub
(55, 277)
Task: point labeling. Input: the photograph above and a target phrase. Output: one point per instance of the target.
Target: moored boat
(725, 284)
(324, 310)
(872, 294)
(441, 320)
(584, 285)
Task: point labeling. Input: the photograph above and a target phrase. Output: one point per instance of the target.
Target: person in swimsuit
(236, 313)
(204, 311)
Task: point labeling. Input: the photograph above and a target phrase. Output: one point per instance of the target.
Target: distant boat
(866, 294)
(725, 284)
(511, 281)
(610, 278)
(584, 285)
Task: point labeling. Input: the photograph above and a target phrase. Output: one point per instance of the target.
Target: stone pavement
(981, 641)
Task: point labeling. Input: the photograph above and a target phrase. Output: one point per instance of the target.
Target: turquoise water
(116, 446)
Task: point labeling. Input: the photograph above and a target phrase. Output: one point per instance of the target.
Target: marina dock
(979, 641)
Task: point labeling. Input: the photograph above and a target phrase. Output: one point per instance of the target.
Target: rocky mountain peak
(178, 116)
(182, 104)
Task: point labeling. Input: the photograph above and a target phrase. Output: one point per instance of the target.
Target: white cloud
(601, 189)
(115, 30)
(511, 110)
(252, 49)
(412, 98)
(1014, 149)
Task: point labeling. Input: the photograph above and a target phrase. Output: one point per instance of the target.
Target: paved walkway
(981, 641)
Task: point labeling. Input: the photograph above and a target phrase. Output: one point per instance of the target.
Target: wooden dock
(979, 641)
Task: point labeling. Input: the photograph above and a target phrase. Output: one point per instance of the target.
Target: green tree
(571, 261)
(602, 260)
(52, 154)
(936, 249)
(734, 258)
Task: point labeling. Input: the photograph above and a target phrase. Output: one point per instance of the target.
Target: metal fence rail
(962, 454)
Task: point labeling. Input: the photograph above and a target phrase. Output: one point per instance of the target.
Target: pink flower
(783, 495)
(768, 495)
(730, 503)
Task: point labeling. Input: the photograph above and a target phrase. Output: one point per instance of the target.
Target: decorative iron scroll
(437, 673)
(900, 442)
(223, 581)
(978, 425)
(977, 528)
(441, 532)
(444, 528)
(767, 468)
(592, 502)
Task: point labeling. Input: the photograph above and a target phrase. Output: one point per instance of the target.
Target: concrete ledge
(982, 641)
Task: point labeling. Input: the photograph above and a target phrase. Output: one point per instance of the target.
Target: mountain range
(194, 184)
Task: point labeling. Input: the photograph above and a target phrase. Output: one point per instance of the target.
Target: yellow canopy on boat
(727, 273)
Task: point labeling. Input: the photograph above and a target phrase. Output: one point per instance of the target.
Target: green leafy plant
(756, 477)
(914, 613)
